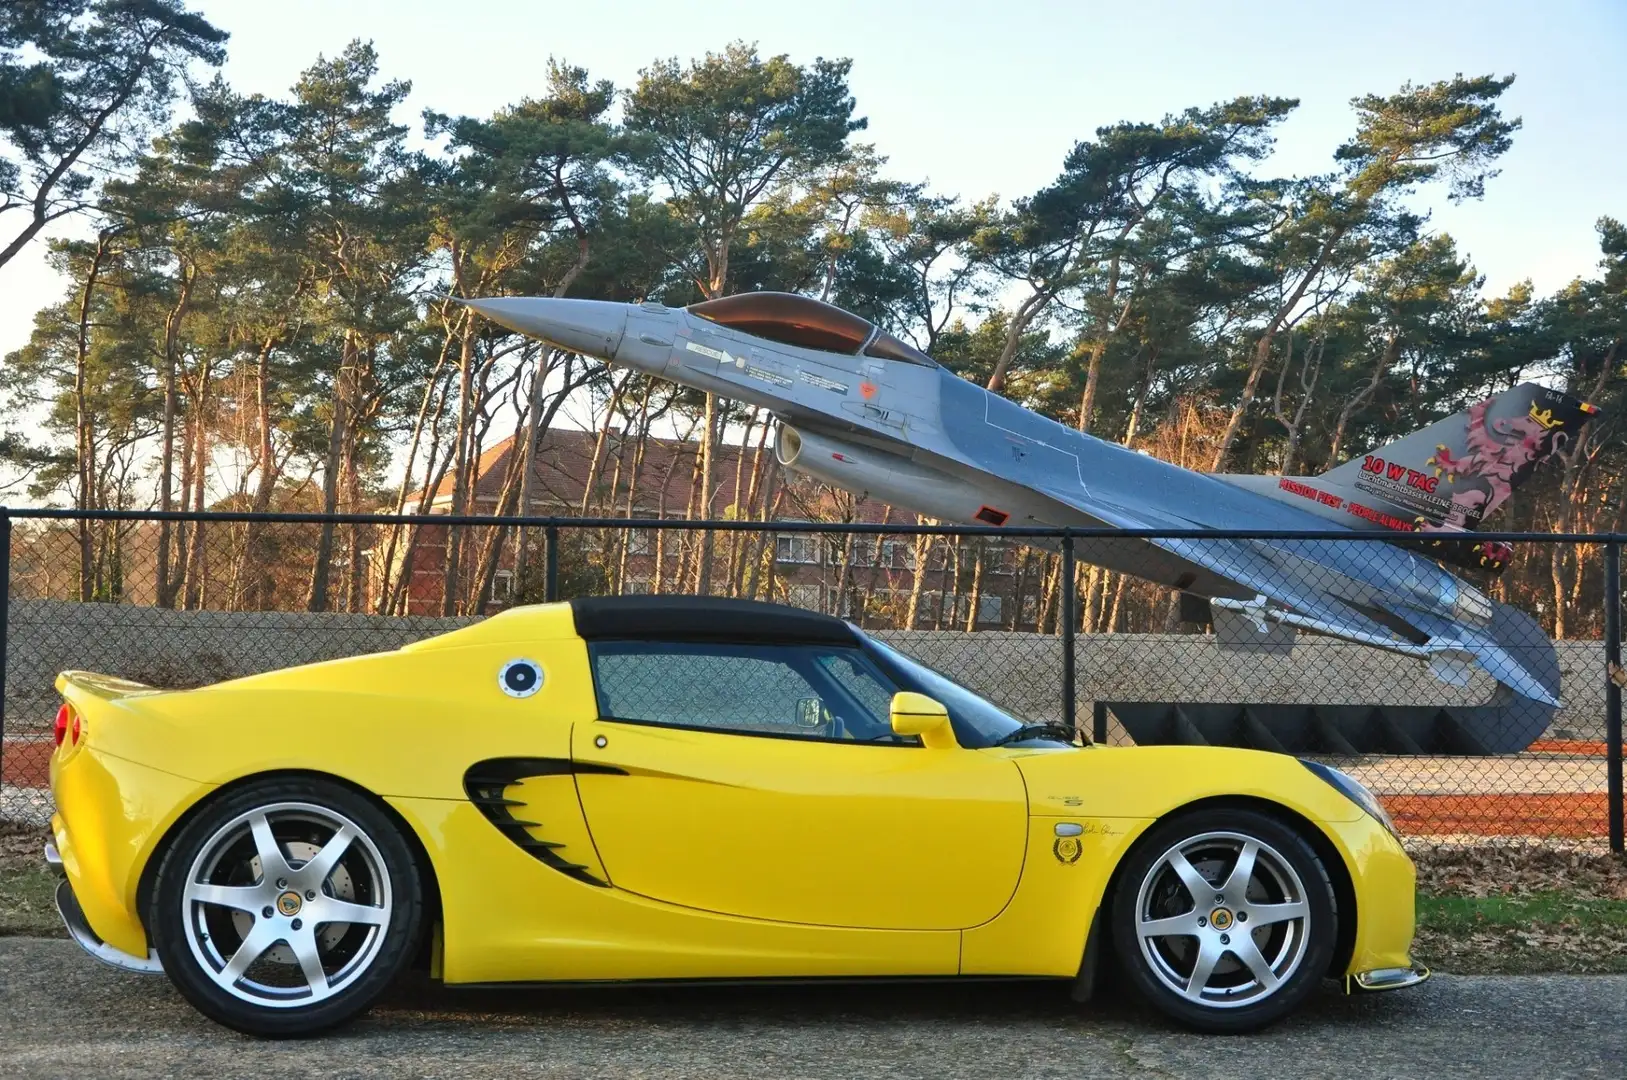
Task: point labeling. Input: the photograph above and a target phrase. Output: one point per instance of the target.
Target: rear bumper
(73, 917)
(110, 816)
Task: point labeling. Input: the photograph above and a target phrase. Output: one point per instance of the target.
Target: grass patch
(1504, 911)
(26, 887)
(26, 904)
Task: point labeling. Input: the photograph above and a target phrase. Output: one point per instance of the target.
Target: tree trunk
(529, 476)
(1387, 359)
(389, 577)
(709, 437)
(257, 559)
(922, 552)
(596, 462)
(1021, 319)
(1087, 401)
(166, 459)
(193, 574)
(85, 425)
(976, 597)
(317, 598)
(1262, 349)
(1118, 601)
(461, 483)
(1310, 372)
(736, 539)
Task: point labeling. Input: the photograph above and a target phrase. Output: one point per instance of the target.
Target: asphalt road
(64, 1015)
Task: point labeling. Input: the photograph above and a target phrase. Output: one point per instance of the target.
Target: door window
(795, 691)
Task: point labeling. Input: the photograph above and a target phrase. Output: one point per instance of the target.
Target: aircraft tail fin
(1446, 478)
(1456, 473)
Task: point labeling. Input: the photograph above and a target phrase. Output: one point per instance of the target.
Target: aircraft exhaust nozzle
(888, 478)
(590, 327)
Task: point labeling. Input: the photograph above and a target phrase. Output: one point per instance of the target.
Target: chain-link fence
(1481, 708)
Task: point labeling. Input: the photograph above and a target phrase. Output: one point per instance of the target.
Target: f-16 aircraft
(862, 410)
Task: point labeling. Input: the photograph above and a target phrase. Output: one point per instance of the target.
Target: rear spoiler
(78, 686)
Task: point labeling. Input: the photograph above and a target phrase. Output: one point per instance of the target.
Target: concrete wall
(1024, 673)
(1021, 671)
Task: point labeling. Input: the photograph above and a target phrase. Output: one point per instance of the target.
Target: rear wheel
(1224, 919)
(286, 907)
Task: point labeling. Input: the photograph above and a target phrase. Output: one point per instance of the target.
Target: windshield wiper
(1060, 732)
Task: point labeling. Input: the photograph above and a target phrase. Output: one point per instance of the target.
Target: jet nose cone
(590, 327)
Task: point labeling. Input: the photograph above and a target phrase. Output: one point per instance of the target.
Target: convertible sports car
(683, 788)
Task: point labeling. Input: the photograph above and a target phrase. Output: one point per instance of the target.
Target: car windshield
(978, 722)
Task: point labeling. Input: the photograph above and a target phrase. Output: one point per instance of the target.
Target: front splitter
(1381, 979)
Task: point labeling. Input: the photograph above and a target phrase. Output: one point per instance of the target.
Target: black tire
(190, 934)
(1294, 952)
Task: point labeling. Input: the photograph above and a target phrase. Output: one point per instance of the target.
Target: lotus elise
(687, 789)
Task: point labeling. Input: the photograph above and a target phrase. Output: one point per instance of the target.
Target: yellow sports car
(683, 788)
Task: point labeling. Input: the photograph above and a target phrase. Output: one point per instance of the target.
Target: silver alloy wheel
(1222, 919)
(286, 904)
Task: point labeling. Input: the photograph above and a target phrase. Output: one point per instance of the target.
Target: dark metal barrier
(1045, 621)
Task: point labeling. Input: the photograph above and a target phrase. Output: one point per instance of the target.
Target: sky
(984, 98)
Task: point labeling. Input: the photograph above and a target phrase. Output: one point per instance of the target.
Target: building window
(502, 587)
(805, 596)
(636, 586)
(898, 555)
(638, 542)
(1030, 609)
(895, 554)
(798, 549)
(988, 609)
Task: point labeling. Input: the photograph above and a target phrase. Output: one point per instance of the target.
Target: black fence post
(1098, 723)
(5, 627)
(550, 573)
(1069, 620)
(1612, 690)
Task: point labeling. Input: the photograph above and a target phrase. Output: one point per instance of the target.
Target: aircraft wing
(1257, 565)
(1241, 561)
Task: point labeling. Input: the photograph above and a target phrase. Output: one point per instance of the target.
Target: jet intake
(888, 478)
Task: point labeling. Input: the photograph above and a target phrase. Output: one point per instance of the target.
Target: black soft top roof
(704, 618)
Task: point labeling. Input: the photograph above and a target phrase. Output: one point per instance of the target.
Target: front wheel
(286, 907)
(1224, 919)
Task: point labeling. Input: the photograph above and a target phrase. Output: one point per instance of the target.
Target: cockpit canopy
(807, 323)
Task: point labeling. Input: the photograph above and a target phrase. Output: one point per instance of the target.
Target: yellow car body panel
(111, 814)
(386, 722)
(509, 918)
(1385, 883)
(695, 854)
(836, 834)
(1114, 794)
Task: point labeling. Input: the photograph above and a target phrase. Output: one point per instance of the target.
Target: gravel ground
(66, 1015)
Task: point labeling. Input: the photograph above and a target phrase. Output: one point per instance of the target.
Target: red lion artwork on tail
(1498, 455)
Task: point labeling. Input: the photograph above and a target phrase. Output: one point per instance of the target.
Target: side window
(849, 670)
(784, 690)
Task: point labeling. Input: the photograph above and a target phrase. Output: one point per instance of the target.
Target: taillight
(75, 730)
(59, 730)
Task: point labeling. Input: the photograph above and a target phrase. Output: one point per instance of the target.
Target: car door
(762, 780)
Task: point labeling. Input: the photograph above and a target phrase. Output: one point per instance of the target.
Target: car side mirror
(917, 714)
(810, 712)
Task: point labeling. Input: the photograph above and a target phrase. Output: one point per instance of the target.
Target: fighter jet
(862, 410)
